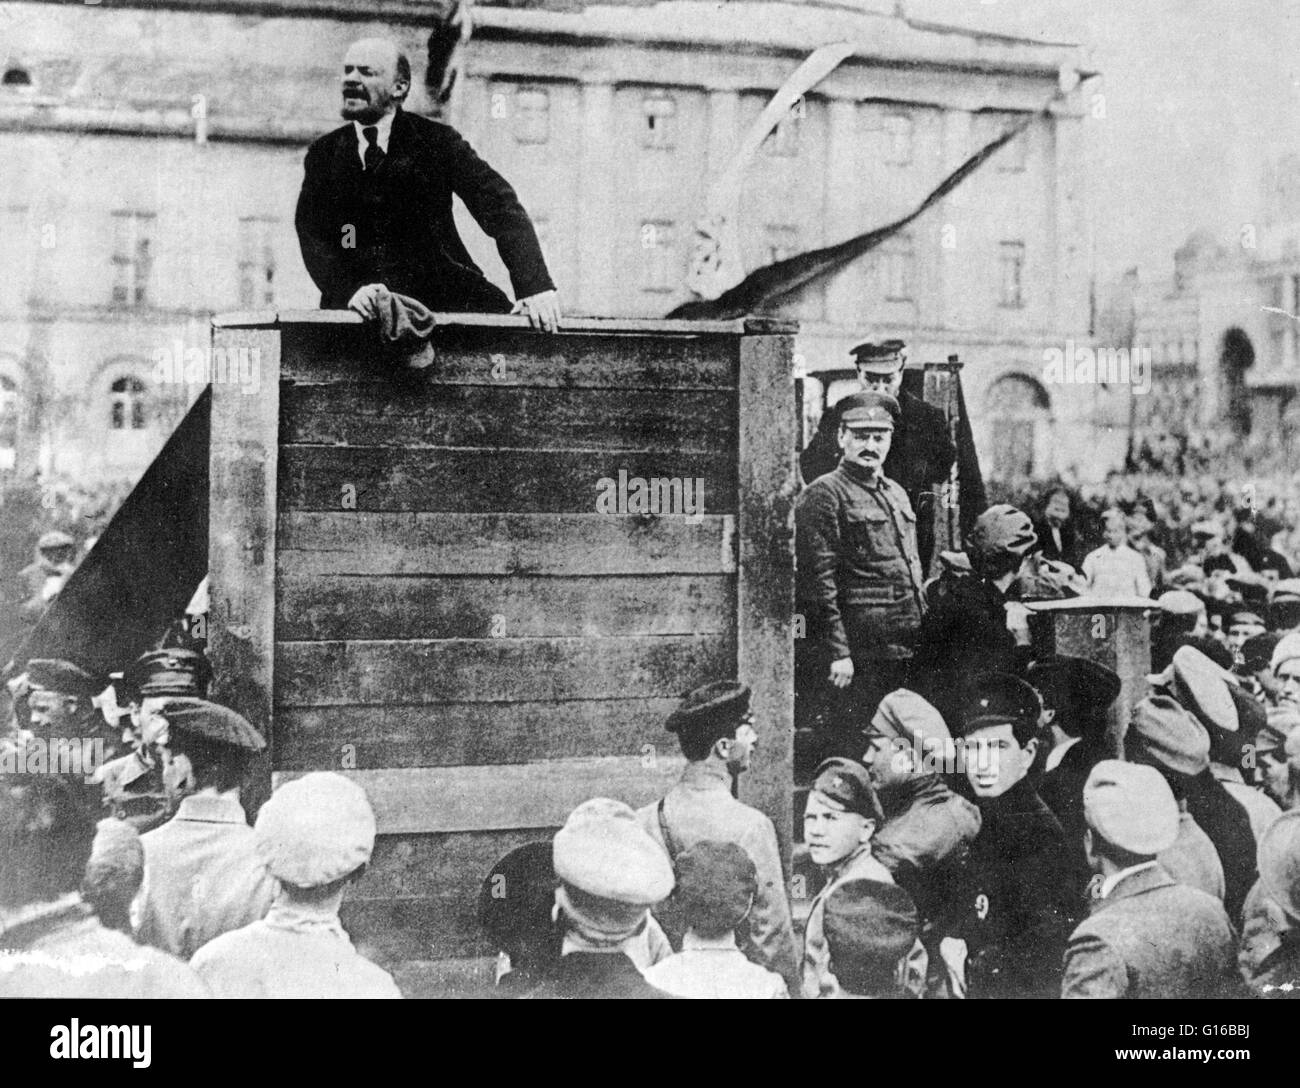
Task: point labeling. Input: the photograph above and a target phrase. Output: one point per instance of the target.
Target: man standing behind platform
(1115, 569)
(375, 209)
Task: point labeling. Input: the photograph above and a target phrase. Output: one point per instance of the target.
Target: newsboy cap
(55, 538)
(1278, 859)
(315, 830)
(55, 674)
(716, 707)
(879, 357)
(1180, 602)
(602, 851)
(212, 722)
(1163, 733)
(1286, 650)
(1287, 588)
(847, 783)
(1076, 685)
(1131, 806)
(869, 411)
(716, 885)
(1257, 651)
(518, 895)
(869, 926)
(906, 715)
(1200, 685)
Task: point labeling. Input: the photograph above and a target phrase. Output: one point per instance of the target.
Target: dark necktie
(374, 153)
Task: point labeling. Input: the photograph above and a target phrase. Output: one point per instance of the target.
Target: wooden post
(241, 534)
(1113, 631)
(765, 584)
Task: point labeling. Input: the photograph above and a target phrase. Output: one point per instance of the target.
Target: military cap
(847, 783)
(211, 721)
(869, 926)
(1185, 577)
(517, 897)
(1002, 530)
(51, 674)
(1199, 684)
(1280, 723)
(1163, 733)
(602, 851)
(55, 538)
(1288, 647)
(1257, 651)
(1284, 613)
(1278, 859)
(1207, 528)
(1212, 648)
(882, 357)
(1253, 592)
(716, 885)
(1074, 683)
(716, 707)
(1274, 561)
(1287, 587)
(908, 716)
(1180, 602)
(1131, 806)
(168, 672)
(997, 698)
(1244, 618)
(315, 830)
(1251, 715)
(869, 411)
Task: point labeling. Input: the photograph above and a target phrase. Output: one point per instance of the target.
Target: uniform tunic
(202, 876)
(818, 981)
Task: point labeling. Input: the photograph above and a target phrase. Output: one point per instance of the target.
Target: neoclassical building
(151, 153)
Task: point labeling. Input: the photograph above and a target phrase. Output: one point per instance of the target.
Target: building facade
(174, 134)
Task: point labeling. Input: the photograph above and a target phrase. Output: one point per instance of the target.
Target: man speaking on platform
(375, 209)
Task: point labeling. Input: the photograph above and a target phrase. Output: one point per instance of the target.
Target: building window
(132, 257)
(8, 423)
(660, 113)
(657, 248)
(782, 241)
(16, 77)
(898, 270)
(256, 262)
(896, 130)
(126, 405)
(1011, 269)
(532, 116)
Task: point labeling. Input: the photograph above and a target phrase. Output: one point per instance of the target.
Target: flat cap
(869, 411)
(1284, 613)
(1180, 602)
(869, 927)
(1185, 577)
(213, 722)
(718, 706)
(1207, 528)
(881, 357)
(1002, 529)
(1074, 683)
(997, 698)
(1251, 715)
(168, 672)
(1278, 858)
(55, 538)
(1245, 618)
(1200, 686)
(847, 783)
(315, 830)
(1280, 722)
(1131, 806)
(1287, 587)
(54, 674)
(602, 851)
(716, 884)
(1162, 732)
(905, 714)
(518, 895)
(1288, 648)
(1257, 651)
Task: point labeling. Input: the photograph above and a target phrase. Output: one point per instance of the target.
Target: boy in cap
(859, 576)
(871, 929)
(203, 875)
(610, 874)
(840, 817)
(1020, 902)
(1269, 957)
(716, 882)
(715, 729)
(315, 835)
(1148, 936)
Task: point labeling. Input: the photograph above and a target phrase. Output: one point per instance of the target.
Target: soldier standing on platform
(859, 578)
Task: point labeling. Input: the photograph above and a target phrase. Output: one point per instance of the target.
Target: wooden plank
(487, 357)
(314, 607)
(496, 670)
(765, 580)
(319, 543)
(386, 413)
(469, 734)
(419, 800)
(241, 542)
(482, 481)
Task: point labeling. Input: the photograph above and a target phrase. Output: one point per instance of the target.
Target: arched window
(127, 405)
(1018, 411)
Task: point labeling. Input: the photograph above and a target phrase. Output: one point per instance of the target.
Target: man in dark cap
(1275, 746)
(516, 908)
(60, 699)
(1021, 902)
(43, 579)
(1254, 668)
(203, 876)
(871, 929)
(859, 576)
(1056, 531)
(1284, 606)
(922, 453)
(716, 732)
(1148, 936)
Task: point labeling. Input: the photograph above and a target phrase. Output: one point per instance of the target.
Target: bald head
(376, 79)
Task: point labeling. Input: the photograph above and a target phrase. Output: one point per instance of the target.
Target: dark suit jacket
(1068, 552)
(597, 975)
(401, 220)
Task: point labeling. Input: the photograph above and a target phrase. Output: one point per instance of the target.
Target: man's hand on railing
(542, 310)
(366, 301)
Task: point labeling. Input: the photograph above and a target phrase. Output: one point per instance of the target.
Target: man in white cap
(315, 835)
(1286, 669)
(1148, 936)
(611, 873)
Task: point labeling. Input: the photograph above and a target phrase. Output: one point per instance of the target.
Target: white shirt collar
(693, 942)
(1108, 885)
(385, 127)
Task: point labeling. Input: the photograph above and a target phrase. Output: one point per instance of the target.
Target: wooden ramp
(411, 582)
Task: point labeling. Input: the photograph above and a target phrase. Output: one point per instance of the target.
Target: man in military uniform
(922, 454)
(859, 578)
(1021, 901)
(44, 577)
